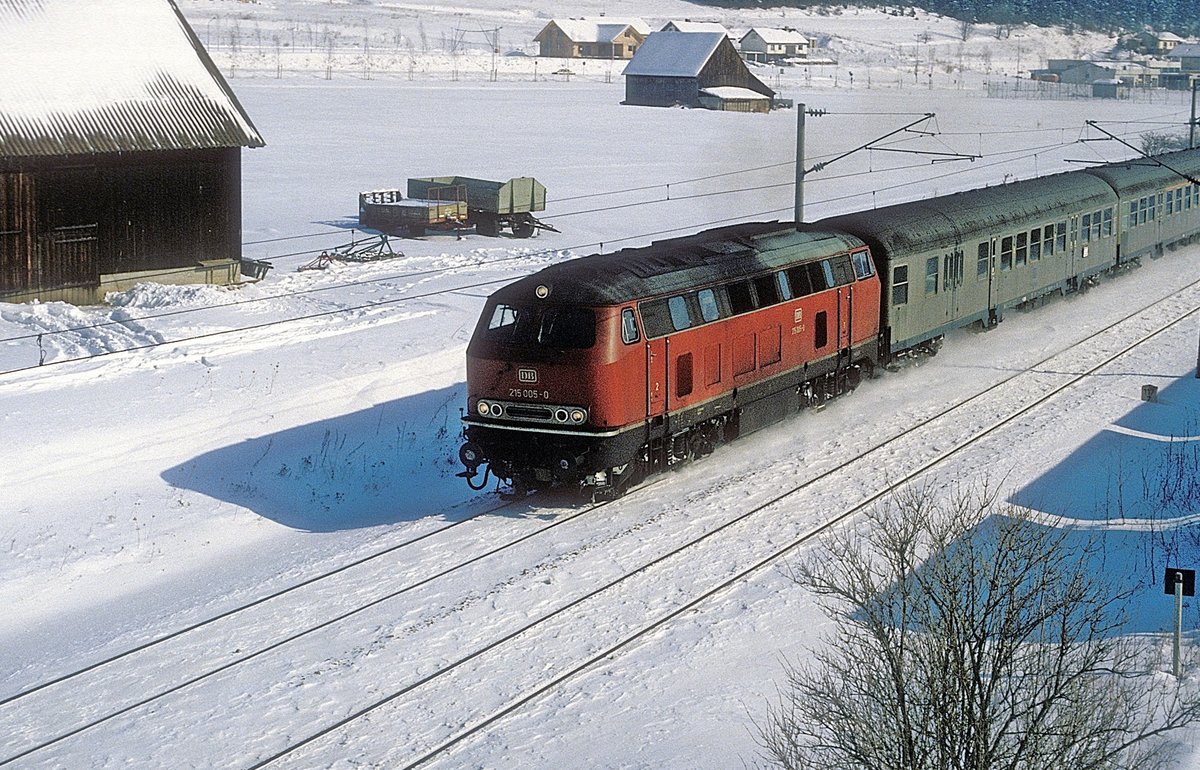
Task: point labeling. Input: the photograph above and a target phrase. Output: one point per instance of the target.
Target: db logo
(527, 375)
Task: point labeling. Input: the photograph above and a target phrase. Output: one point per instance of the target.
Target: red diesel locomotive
(595, 372)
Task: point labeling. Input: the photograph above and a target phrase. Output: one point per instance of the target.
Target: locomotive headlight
(560, 415)
(484, 408)
(578, 416)
(497, 410)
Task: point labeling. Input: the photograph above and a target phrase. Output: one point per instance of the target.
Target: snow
(184, 451)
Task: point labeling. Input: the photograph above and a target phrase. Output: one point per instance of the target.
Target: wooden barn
(120, 151)
(673, 68)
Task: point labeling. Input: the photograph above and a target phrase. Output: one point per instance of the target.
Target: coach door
(986, 266)
(952, 280)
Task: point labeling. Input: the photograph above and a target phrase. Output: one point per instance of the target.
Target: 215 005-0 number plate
(543, 395)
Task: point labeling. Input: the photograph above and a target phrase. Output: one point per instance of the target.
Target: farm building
(674, 67)
(595, 38)
(767, 45)
(1188, 56)
(119, 151)
(687, 25)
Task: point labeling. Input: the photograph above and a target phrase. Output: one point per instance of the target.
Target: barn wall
(66, 221)
(726, 68)
(660, 91)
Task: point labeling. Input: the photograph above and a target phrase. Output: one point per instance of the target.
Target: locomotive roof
(946, 220)
(677, 264)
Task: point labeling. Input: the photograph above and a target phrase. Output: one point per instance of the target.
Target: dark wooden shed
(120, 151)
(673, 67)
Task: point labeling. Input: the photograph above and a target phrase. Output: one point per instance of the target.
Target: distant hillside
(1106, 15)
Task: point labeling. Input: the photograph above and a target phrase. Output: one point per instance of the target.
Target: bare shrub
(971, 638)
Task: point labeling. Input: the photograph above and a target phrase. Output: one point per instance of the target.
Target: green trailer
(491, 206)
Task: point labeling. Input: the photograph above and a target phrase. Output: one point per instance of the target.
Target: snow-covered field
(185, 451)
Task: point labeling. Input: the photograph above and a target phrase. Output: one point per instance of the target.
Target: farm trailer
(491, 206)
(389, 212)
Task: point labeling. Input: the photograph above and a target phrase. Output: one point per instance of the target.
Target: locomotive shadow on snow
(392, 462)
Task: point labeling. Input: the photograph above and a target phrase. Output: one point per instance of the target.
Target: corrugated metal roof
(82, 77)
(674, 54)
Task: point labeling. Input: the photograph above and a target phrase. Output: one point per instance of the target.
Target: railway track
(673, 567)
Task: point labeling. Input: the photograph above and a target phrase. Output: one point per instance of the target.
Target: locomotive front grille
(522, 412)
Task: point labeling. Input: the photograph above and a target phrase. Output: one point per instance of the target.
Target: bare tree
(971, 638)
(965, 28)
(1154, 142)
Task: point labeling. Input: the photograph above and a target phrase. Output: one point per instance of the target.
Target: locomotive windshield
(560, 328)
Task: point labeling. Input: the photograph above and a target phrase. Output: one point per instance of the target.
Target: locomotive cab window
(567, 327)
(502, 316)
(629, 328)
(553, 327)
(862, 265)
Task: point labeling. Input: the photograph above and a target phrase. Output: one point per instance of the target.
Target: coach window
(1060, 236)
(1022, 248)
(1106, 230)
(1131, 218)
(983, 262)
(1085, 228)
(1048, 241)
(1006, 252)
(767, 290)
(931, 275)
(899, 285)
(1170, 202)
(1035, 244)
(708, 305)
(1096, 226)
(680, 318)
(629, 329)
(740, 298)
(821, 330)
(862, 265)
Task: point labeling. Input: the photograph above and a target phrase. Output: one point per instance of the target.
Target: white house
(764, 45)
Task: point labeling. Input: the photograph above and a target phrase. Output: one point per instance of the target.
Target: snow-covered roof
(599, 29)
(1184, 49)
(733, 92)
(81, 77)
(696, 26)
(779, 36)
(1170, 37)
(674, 54)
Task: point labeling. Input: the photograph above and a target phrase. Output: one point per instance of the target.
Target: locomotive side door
(657, 351)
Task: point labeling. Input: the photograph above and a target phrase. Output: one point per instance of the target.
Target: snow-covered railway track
(436, 710)
(458, 677)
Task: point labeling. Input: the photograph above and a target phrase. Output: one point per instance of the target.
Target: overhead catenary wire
(511, 257)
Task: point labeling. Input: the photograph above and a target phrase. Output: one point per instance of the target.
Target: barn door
(67, 256)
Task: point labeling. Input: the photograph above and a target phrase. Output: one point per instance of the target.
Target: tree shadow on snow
(1136, 486)
(393, 462)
